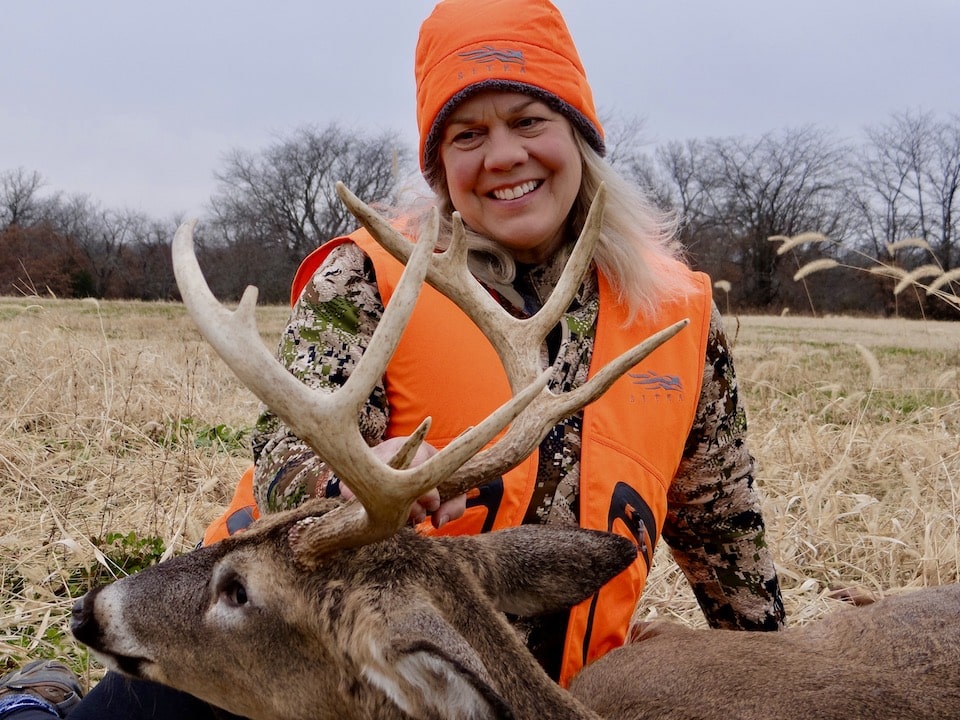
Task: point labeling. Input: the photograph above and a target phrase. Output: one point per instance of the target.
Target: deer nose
(83, 623)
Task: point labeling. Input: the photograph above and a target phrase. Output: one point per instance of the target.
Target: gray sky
(136, 103)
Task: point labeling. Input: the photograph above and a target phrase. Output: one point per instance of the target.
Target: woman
(509, 138)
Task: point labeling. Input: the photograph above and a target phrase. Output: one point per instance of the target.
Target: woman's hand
(428, 504)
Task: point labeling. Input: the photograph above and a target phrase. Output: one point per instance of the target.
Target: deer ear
(530, 570)
(428, 670)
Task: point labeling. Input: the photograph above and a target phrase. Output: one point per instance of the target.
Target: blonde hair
(637, 251)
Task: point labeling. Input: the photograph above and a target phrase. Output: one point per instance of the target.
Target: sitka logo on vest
(663, 386)
(490, 57)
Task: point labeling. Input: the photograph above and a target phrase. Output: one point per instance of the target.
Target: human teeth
(515, 192)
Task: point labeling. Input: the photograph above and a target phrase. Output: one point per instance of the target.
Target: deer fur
(412, 627)
(896, 658)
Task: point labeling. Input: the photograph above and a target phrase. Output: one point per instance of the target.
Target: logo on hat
(488, 53)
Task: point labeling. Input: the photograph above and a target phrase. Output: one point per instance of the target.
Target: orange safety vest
(632, 439)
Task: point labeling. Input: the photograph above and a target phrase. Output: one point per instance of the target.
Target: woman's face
(513, 171)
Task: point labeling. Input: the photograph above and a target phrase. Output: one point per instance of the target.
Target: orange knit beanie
(466, 46)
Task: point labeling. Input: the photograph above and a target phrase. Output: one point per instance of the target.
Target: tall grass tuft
(930, 278)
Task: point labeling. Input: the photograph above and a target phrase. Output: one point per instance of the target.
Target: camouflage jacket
(714, 526)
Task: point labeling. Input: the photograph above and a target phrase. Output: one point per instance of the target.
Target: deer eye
(237, 593)
(232, 591)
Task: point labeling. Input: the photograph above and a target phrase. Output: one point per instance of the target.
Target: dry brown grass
(110, 415)
(108, 412)
(855, 424)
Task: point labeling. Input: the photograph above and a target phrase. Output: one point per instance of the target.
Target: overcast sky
(136, 103)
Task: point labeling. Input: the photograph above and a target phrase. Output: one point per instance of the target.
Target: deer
(339, 609)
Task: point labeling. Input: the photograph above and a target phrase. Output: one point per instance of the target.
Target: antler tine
(328, 421)
(574, 271)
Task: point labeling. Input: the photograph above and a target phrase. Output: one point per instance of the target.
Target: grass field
(122, 435)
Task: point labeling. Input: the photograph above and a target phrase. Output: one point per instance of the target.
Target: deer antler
(328, 421)
(517, 341)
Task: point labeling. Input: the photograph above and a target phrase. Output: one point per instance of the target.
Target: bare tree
(630, 152)
(736, 193)
(903, 198)
(691, 190)
(150, 265)
(106, 237)
(942, 175)
(888, 200)
(20, 203)
(911, 176)
(275, 206)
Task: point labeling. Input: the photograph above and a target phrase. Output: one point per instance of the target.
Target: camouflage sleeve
(328, 331)
(714, 526)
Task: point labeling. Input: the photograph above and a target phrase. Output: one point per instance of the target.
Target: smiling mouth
(518, 191)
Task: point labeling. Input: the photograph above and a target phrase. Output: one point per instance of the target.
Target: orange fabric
(241, 511)
(465, 42)
(632, 442)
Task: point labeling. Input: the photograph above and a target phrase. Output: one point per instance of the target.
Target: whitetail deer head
(407, 627)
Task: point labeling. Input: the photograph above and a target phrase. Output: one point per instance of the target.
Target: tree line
(892, 199)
